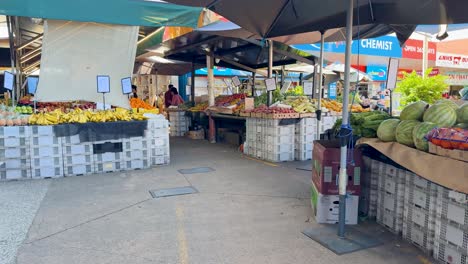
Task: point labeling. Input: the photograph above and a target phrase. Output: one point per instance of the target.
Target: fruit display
(449, 138)
(229, 100)
(462, 114)
(419, 135)
(83, 116)
(442, 114)
(199, 107)
(272, 110)
(414, 111)
(138, 103)
(10, 117)
(386, 130)
(448, 102)
(26, 110)
(364, 124)
(337, 106)
(300, 104)
(404, 132)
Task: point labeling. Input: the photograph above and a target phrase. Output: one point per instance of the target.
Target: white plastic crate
(178, 133)
(47, 172)
(14, 142)
(70, 160)
(155, 123)
(299, 155)
(160, 160)
(393, 180)
(14, 152)
(46, 151)
(38, 162)
(422, 238)
(176, 113)
(390, 220)
(159, 151)
(390, 202)
(15, 174)
(279, 157)
(71, 140)
(77, 170)
(81, 149)
(308, 121)
(109, 166)
(157, 132)
(159, 142)
(135, 143)
(16, 163)
(41, 140)
(302, 130)
(305, 138)
(269, 139)
(15, 131)
(450, 206)
(137, 164)
(42, 130)
(141, 154)
(453, 233)
(304, 147)
(446, 253)
(280, 131)
(422, 218)
(421, 198)
(108, 157)
(279, 148)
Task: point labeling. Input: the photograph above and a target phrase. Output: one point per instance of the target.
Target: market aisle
(246, 212)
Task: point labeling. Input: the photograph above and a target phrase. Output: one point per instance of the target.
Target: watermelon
(419, 135)
(462, 114)
(386, 130)
(448, 102)
(414, 111)
(462, 125)
(404, 132)
(442, 115)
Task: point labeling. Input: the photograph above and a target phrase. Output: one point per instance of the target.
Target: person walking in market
(168, 96)
(176, 98)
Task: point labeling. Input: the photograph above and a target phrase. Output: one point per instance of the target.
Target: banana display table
(81, 149)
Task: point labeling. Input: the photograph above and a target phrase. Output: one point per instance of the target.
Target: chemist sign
(386, 46)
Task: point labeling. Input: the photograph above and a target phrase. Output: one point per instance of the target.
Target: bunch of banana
(43, 119)
(138, 116)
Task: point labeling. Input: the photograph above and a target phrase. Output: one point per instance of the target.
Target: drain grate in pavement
(172, 192)
(196, 170)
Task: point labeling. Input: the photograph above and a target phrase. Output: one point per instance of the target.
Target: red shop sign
(413, 49)
(401, 72)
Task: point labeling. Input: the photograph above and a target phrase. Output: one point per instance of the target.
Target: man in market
(134, 91)
(168, 96)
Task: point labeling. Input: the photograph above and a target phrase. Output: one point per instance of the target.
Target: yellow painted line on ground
(181, 239)
(261, 161)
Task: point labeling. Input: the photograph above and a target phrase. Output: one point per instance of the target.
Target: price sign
(8, 80)
(270, 84)
(236, 81)
(126, 85)
(308, 88)
(32, 84)
(392, 74)
(103, 84)
(332, 90)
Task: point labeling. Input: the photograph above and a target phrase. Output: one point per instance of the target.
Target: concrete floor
(245, 212)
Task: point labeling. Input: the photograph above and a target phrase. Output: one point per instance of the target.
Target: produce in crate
(449, 138)
(138, 103)
(442, 114)
(300, 104)
(199, 107)
(404, 132)
(419, 135)
(414, 111)
(364, 124)
(387, 129)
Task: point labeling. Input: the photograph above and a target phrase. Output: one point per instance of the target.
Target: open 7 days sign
(452, 60)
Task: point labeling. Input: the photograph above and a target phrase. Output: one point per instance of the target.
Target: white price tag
(8, 80)
(103, 84)
(308, 88)
(127, 85)
(270, 84)
(236, 81)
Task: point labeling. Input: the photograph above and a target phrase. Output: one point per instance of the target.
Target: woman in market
(134, 91)
(176, 98)
(168, 96)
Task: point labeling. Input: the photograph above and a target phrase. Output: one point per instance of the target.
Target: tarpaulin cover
(74, 53)
(285, 17)
(123, 12)
(444, 171)
(91, 132)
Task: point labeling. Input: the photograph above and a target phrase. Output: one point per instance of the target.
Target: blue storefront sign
(377, 73)
(221, 71)
(386, 46)
(332, 90)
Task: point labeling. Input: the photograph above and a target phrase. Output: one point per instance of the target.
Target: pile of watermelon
(418, 119)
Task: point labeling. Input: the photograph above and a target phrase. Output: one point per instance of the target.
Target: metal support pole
(192, 84)
(425, 55)
(343, 178)
(12, 55)
(282, 75)
(270, 70)
(319, 98)
(253, 84)
(210, 65)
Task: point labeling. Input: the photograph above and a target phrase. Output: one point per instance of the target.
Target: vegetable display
(443, 115)
(364, 124)
(387, 129)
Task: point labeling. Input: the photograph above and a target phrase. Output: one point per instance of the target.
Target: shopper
(176, 98)
(134, 91)
(168, 96)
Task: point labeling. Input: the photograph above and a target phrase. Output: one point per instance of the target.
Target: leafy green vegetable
(416, 88)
